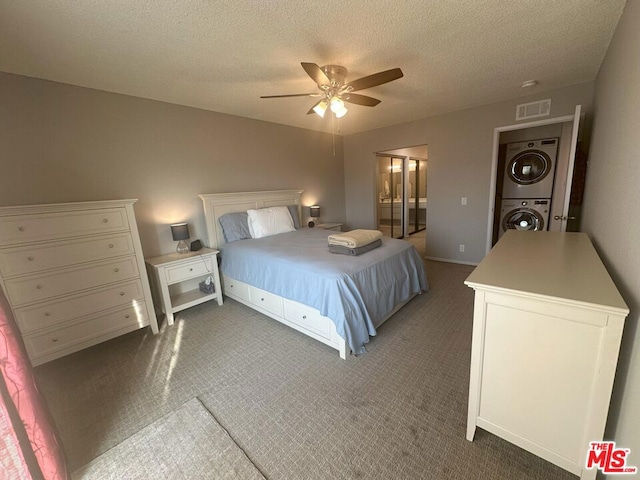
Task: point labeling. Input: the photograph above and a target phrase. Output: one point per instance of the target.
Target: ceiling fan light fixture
(320, 109)
(337, 105)
(342, 112)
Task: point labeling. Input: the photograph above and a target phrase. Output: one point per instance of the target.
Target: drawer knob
(116, 270)
(54, 340)
(191, 269)
(106, 220)
(30, 259)
(21, 229)
(304, 317)
(111, 245)
(126, 316)
(39, 287)
(122, 294)
(262, 299)
(47, 314)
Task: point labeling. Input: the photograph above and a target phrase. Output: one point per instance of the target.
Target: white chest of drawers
(74, 275)
(547, 326)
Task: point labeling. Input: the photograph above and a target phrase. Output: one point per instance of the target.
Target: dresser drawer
(35, 258)
(233, 287)
(40, 287)
(308, 318)
(196, 268)
(47, 315)
(263, 299)
(51, 226)
(39, 345)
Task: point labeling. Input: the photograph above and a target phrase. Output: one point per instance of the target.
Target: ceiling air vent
(541, 108)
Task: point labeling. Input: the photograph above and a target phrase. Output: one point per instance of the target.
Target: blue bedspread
(355, 292)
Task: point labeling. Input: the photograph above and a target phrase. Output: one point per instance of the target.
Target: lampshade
(315, 211)
(336, 104)
(180, 231)
(342, 112)
(320, 108)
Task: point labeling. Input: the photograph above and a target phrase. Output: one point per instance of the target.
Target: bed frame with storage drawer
(298, 316)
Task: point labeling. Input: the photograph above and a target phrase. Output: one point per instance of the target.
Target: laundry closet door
(569, 186)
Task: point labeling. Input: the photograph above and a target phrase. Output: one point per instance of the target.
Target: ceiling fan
(334, 92)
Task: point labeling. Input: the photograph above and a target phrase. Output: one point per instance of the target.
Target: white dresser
(547, 327)
(74, 275)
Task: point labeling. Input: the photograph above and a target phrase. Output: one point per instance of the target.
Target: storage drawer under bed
(263, 299)
(307, 317)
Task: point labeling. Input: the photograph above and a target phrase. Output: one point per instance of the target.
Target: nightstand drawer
(47, 315)
(307, 318)
(35, 258)
(198, 267)
(233, 287)
(263, 299)
(70, 280)
(39, 345)
(51, 226)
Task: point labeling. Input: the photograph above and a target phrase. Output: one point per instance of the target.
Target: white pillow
(269, 221)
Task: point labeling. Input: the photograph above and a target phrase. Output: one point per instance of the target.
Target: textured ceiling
(222, 55)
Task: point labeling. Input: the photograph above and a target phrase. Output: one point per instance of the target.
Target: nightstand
(337, 227)
(177, 277)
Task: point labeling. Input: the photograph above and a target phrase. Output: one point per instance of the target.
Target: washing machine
(524, 214)
(530, 169)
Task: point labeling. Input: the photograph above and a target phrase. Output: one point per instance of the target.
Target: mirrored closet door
(417, 195)
(390, 186)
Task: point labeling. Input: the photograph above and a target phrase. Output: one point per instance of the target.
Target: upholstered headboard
(217, 204)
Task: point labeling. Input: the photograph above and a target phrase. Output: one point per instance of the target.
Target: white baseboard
(449, 260)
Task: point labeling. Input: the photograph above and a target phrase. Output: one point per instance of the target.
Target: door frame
(494, 162)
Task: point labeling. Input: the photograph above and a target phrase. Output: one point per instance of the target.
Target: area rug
(185, 444)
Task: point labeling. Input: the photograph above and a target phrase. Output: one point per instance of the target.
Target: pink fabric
(27, 400)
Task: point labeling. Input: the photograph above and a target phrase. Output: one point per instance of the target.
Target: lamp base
(183, 247)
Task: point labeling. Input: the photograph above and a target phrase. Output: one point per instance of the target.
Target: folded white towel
(355, 238)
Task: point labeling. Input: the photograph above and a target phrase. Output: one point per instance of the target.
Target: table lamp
(315, 214)
(180, 233)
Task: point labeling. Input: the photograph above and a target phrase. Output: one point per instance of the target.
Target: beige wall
(460, 154)
(60, 143)
(612, 197)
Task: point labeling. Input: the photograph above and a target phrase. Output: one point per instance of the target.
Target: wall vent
(541, 108)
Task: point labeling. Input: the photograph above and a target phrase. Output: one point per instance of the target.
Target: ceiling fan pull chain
(333, 136)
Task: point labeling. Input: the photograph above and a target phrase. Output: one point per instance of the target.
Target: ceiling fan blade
(316, 73)
(360, 99)
(293, 95)
(375, 79)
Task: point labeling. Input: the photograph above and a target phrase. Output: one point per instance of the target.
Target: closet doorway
(401, 192)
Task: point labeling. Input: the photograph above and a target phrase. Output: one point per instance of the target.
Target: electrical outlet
(463, 201)
(462, 248)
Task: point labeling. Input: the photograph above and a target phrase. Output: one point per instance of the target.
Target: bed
(339, 300)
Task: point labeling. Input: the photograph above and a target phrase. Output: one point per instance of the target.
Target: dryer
(530, 169)
(524, 214)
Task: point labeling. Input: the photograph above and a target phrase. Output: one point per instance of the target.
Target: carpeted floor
(288, 402)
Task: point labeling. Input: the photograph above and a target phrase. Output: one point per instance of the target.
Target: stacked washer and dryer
(528, 185)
